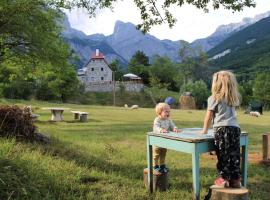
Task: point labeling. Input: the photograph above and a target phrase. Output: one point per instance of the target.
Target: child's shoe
(235, 183)
(221, 183)
(164, 169)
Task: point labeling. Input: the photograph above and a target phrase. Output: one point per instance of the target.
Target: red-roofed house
(96, 69)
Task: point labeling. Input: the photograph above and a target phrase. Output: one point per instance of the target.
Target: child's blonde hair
(225, 87)
(160, 107)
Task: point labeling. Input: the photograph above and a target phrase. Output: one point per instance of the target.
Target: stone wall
(107, 86)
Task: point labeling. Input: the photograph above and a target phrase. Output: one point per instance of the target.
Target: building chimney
(97, 52)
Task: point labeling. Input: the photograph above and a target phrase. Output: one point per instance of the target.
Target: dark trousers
(227, 143)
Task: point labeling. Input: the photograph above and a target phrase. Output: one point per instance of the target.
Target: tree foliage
(262, 87)
(139, 65)
(33, 54)
(199, 90)
(116, 68)
(162, 73)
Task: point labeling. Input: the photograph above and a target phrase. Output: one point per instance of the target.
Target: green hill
(250, 51)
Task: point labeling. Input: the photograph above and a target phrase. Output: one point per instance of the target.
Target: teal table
(190, 141)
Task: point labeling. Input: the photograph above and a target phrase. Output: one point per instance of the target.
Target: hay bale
(187, 102)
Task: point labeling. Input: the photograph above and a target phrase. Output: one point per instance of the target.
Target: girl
(221, 109)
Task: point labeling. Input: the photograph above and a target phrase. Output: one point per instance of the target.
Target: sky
(191, 24)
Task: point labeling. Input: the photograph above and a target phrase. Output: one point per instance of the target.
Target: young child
(221, 109)
(162, 124)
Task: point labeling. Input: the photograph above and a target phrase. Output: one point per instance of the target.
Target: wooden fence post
(266, 147)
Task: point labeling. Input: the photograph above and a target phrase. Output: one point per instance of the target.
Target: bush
(16, 122)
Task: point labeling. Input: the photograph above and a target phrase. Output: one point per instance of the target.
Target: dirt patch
(254, 158)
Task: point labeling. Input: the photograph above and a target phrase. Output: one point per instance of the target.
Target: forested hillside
(249, 51)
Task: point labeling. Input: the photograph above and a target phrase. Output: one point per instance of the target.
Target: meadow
(105, 157)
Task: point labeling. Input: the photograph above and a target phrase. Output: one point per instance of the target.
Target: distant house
(96, 76)
(96, 70)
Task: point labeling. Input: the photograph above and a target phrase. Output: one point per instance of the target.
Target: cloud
(191, 23)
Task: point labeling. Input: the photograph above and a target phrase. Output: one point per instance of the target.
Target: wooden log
(228, 193)
(160, 180)
(266, 147)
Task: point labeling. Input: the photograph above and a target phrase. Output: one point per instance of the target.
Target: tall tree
(162, 72)
(139, 65)
(262, 87)
(30, 46)
(116, 68)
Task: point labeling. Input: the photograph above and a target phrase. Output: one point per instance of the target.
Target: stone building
(96, 70)
(97, 76)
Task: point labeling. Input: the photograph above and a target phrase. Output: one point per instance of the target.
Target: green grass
(105, 157)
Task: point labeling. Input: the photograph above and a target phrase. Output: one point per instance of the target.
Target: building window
(92, 78)
(101, 68)
(92, 69)
(102, 78)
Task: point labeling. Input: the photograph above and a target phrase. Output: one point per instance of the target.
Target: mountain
(121, 45)
(84, 46)
(225, 31)
(126, 40)
(246, 52)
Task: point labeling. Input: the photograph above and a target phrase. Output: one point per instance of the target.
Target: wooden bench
(82, 116)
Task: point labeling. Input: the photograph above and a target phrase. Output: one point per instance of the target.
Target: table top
(55, 108)
(187, 134)
(79, 112)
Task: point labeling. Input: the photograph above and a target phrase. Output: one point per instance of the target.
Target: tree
(139, 65)
(116, 68)
(153, 12)
(162, 72)
(32, 53)
(199, 90)
(28, 27)
(194, 62)
(262, 87)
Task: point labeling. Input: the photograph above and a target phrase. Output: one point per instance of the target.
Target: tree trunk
(160, 180)
(227, 194)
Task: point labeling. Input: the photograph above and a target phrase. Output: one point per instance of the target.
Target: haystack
(187, 101)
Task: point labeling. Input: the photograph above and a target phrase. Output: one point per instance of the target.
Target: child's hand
(203, 132)
(163, 131)
(177, 130)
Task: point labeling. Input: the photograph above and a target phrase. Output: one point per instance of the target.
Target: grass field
(105, 157)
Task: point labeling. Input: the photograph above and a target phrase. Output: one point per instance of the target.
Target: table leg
(57, 115)
(196, 175)
(150, 165)
(244, 163)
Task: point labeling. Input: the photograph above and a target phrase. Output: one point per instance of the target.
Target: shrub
(16, 122)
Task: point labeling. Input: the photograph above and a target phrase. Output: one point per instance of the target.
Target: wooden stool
(227, 193)
(160, 180)
(83, 117)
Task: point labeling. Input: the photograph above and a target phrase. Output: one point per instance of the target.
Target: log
(228, 193)
(266, 147)
(160, 180)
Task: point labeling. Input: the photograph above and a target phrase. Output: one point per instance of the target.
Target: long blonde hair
(225, 87)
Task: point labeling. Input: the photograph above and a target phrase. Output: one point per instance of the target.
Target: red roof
(99, 56)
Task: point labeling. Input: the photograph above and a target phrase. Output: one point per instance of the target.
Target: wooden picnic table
(190, 141)
(57, 113)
